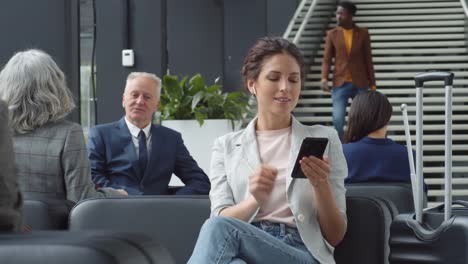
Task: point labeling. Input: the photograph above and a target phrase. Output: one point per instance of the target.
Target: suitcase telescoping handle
(420, 79)
(414, 179)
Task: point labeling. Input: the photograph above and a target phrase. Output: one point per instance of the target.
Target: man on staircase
(353, 72)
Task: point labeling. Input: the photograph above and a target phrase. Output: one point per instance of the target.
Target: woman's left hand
(315, 169)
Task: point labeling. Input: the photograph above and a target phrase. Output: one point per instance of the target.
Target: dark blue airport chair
(93, 247)
(174, 221)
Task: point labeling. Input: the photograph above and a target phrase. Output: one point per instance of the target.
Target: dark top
(376, 160)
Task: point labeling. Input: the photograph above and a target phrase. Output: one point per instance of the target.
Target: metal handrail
(304, 21)
(296, 15)
(465, 7)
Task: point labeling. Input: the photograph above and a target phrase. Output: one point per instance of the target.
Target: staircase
(408, 37)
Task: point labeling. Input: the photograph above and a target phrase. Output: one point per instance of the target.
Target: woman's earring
(254, 92)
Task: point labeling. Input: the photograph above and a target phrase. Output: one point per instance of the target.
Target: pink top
(274, 147)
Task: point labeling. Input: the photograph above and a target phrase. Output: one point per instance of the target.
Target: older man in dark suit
(10, 197)
(135, 155)
(353, 73)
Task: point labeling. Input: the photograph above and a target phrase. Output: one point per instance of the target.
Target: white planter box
(199, 140)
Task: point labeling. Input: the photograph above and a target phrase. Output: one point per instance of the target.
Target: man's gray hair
(152, 76)
(35, 90)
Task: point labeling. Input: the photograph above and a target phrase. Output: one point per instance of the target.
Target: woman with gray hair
(50, 152)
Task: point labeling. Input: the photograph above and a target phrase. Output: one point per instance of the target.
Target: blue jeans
(229, 240)
(340, 96)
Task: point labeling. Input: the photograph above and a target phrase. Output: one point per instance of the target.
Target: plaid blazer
(52, 162)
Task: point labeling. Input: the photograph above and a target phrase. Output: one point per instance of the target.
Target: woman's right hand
(261, 183)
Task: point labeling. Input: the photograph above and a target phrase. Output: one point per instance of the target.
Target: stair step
(357, 2)
(364, 6)
(371, 24)
(455, 147)
(441, 158)
(402, 83)
(455, 127)
(394, 18)
(418, 67)
(420, 51)
(315, 119)
(315, 32)
(319, 7)
(395, 100)
(427, 138)
(383, 75)
(392, 25)
(441, 193)
(377, 52)
(407, 44)
(417, 30)
(437, 23)
(459, 10)
(420, 30)
(455, 181)
(389, 91)
(315, 108)
(425, 37)
(427, 59)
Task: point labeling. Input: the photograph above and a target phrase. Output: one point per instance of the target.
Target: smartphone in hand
(311, 146)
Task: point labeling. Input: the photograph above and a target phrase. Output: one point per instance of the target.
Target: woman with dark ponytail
(371, 156)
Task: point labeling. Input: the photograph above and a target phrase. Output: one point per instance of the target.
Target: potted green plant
(192, 99)
(201, 113)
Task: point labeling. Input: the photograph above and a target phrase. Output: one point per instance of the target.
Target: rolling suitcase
(438, 235)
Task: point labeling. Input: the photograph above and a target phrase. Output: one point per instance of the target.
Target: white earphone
(254, 92)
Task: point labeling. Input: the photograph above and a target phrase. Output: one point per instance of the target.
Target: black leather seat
(368, 231)
(174, 221)
(57, 247)
(46, 214)
(400, 194)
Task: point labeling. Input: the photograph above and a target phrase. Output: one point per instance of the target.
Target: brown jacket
(359, 62)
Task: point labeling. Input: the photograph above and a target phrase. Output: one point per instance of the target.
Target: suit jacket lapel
(355, 41)
(341, 42)
(250, 152)
(124, 139)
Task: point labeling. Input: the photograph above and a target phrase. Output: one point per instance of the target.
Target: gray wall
(210, 37)
(146, 31)
(279, 13)
(196, 44)
(50, 25)
(244, 22)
